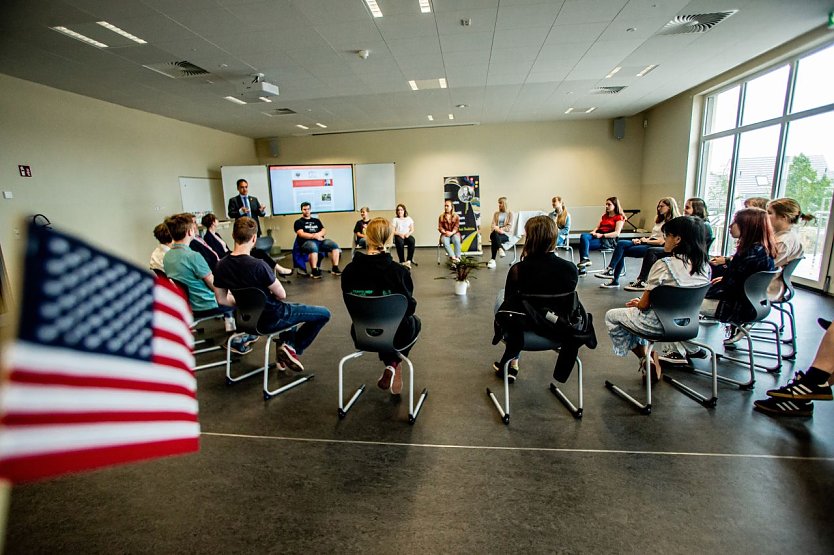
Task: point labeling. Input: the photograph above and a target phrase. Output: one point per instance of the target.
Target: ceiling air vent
(282, 112)
(697, 23)
(177, 70)
(606, 90)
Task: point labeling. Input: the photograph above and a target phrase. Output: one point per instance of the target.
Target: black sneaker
(805, 387)
(605, 274)
(672, 357)
(700, 353)
(301, 272)
(335, 271)
(582, 272)
(638, 285)
(610, 285)
(784, 407)
(316, 274)
(512, 374)
(584, 262)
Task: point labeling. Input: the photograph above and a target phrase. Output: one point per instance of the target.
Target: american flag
(101, 370)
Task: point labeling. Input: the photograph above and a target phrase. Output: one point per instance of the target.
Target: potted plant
(460, 271)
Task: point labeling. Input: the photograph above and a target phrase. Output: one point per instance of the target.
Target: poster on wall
(465, 193)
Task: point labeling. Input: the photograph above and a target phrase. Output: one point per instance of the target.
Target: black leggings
(652, 255)
(399, 242)
(496, 240)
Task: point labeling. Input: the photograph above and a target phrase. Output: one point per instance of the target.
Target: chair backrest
(787, 273)
(755, 288)
(265, 243)
(375, 320)
(677, 308)
(250, 303)
(159, 273)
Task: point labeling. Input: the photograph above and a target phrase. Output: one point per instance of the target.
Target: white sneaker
(407, 264)
(501, 252)
(491, 264)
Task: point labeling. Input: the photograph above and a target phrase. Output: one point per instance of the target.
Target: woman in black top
(539, 272)
(375, 273)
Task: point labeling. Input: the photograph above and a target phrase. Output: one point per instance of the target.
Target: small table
(630, 213)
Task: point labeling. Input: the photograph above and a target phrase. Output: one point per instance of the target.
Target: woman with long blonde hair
(561, 216)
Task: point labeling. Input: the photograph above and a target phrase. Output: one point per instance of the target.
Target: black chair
(159, 273)
(677, 309)
(197, 318)
(375, 322)
(265, 243)
(250, 303)
(755, 289)
(536, 342)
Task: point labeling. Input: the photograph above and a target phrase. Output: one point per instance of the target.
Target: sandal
(386, 378)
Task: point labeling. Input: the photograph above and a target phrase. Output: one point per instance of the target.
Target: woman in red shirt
(604, 236)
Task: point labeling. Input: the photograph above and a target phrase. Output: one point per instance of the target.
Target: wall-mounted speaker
(619, 128)
(273, 148)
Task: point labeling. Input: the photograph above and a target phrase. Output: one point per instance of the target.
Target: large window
(770, 136)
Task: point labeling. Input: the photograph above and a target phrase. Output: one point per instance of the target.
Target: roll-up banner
(465, 193)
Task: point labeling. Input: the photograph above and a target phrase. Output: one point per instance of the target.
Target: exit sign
(831, 20)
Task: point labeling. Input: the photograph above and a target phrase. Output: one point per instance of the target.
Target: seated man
(310, 239)
(240, 269)
(187, 267)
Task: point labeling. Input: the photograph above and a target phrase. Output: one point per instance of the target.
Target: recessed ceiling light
(631, 29)
(302, 126)
(442, 81)
(425, 6)
(265, 99)
(646, 70)
(413, 85)
(569, 110)
(374, 7)
(79, 36)
(462, 106)
(431, 117)
(591, 109)
(323, 126)
(613, 72)
(451, 116)
(235, 100)
(122, 32)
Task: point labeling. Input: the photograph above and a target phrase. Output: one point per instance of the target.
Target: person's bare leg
(824, 359)
(334, 256)
(314, 258)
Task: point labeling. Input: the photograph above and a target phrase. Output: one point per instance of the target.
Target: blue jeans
(312, 319)
(625, 248)
(447, 244)
(312, 246)
(588, 243)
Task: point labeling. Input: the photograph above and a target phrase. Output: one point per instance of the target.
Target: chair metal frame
(195, 330)
(251, 302)
(375, 320)
(678, 316)
(534, 342)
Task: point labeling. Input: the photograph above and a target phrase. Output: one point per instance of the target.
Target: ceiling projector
(258, 87)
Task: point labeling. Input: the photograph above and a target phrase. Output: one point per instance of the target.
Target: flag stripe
(80, 418)
(168, 294)
(27, 441)
(175, 351)
(22, 376)
(35, 358)
(26, 398)
(173, 363)
(28, 469)
(173, 324)
(165, 335)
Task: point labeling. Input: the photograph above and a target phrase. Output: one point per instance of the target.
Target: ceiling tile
(527, 16)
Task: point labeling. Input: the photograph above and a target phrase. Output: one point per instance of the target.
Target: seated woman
(694, 207)
(561, 216)
(726, 300)
(161, 233)
(784, 214)
(667, 209)
(539, 272)
(359, 228)
(212, 238)
(604, 235)
(500, 229)
(756, 202)
(375, 273)
(448, 224)
(685, 267)
(404, 235)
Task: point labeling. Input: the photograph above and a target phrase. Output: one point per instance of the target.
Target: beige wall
(529, 163)
(105, 172)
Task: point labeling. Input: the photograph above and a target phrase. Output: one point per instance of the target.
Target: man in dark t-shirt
(310, 237)
(240, 270)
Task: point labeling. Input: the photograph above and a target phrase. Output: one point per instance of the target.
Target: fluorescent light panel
(323, 126)
(569, 110)
(302, 126)
(374, 7)
(79, 36)
(613, 72)
(442, 82)
(265, 99)
(413, 85)
(111, 27)
(646, 70)
(425, 6)
(591, 109)
(451, 116)
(431, 117)
(233, 99)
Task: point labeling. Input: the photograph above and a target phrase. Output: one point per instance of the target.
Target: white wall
(529, 163)
(99, 170)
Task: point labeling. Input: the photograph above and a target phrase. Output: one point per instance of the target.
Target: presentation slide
(328, 188)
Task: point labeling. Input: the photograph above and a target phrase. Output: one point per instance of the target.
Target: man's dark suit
(236, 203)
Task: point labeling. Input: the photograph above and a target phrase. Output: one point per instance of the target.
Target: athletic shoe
(386, 378)
(238, 347)
(734, 335)
(610, 285)
(605, 274)
(286, 356)
(316, 274)
(501, 252)
(512, 373)
(700, 353)
(407, 264)
(672, 357)
(301, 272)
(582, 272)
(638, 285)
(805, 386)
(491, 264)
(335, 271)
(249, 339)
(784, 407)
(584, 262)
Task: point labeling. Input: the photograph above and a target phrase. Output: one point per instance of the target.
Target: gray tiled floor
(288, 476)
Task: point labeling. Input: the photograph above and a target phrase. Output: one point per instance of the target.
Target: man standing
(246, 205)
(240, 270)
(311, 240)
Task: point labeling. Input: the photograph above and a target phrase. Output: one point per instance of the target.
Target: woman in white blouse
(404, 235)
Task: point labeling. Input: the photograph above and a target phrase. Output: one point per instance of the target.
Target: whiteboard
(258, 181)
(202, 194)
(375, 186)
